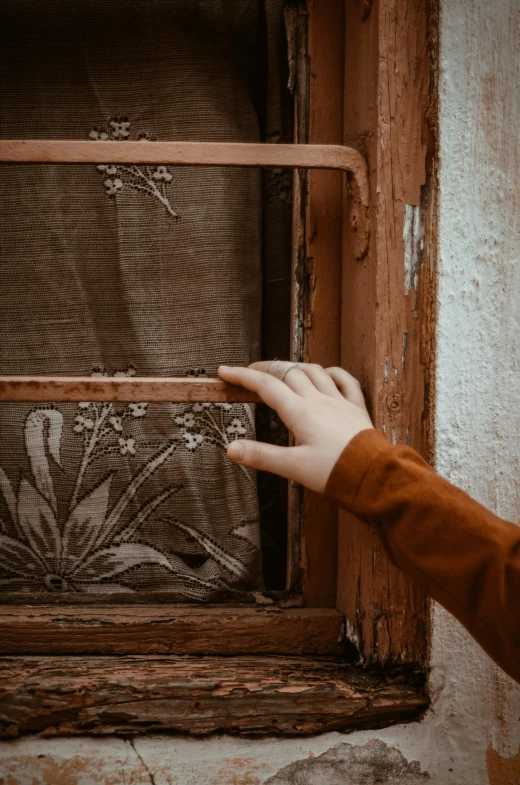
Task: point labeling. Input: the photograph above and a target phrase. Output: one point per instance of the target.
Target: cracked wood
(388, 328)
(253, 695)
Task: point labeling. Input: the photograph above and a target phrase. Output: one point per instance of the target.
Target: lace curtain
(148, 270)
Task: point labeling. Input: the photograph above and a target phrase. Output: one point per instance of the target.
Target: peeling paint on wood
(131, 695)
(388, 299)
(413, 240)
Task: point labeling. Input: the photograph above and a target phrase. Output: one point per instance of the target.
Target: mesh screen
(147, 270)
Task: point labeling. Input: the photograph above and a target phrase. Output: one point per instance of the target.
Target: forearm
(460, 553)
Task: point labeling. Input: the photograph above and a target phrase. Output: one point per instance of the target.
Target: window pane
(141, 270)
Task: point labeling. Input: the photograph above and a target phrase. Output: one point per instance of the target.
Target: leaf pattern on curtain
(94, 543)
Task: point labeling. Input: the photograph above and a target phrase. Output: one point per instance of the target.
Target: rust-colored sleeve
(461, 554)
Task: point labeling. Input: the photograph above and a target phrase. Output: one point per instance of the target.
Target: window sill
(173, 629)
(250, 695)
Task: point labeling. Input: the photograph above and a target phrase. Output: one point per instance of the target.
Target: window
(144, 669)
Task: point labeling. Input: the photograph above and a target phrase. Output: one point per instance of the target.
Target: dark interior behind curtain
(123, 270)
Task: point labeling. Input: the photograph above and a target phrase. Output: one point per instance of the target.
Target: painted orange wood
(388, 298)
(289, 156)
(86, 388)
(310, 156)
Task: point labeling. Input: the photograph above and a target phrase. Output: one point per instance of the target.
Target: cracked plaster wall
(471, 736)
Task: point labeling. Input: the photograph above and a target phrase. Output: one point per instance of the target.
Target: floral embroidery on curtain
(133, 267)
(150, 180)
(90, 543)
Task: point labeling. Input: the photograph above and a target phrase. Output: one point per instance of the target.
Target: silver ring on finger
(280, 368)
(290, 368)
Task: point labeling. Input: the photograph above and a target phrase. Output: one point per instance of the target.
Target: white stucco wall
(478, 444)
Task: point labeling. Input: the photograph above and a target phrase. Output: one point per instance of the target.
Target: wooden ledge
(174, 629)
(252, 695)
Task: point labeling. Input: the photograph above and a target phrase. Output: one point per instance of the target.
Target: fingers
(265, 457)
(272, 391)
(348, 386)
(298, 381)
(288, 373)
(317, 378)
(321, 380)
(262, 365)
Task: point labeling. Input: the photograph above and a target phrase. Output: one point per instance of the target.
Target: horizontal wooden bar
(290, 156)
(252, 695)
(124, 389)
(175, 629)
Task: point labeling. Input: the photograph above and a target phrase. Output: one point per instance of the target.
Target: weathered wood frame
(388, 313)
(252, 695)
(162, 629)
(387, 51)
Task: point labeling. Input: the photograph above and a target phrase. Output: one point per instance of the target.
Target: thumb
(264, 457)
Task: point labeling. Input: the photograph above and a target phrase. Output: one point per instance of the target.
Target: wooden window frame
(143, 669)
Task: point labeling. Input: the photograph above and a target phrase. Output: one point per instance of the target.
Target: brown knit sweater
(461, 554)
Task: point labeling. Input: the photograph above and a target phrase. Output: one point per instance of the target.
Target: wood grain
(388, 321)
(252, 695)
(135, 389)
(175, 629)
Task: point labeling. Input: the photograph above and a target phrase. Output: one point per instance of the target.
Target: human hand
(323, 408)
